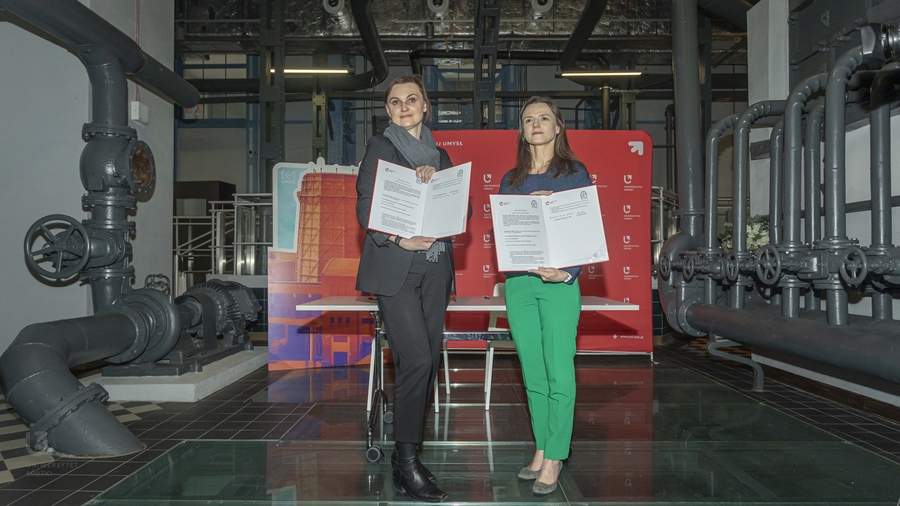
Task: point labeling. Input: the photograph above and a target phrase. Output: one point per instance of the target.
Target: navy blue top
(546, 181)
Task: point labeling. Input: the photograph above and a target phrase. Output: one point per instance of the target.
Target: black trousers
(414, 323)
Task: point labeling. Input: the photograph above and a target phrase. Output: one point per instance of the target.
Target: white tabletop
(457, 303)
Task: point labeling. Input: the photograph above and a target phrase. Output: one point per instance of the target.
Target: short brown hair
(414, 79)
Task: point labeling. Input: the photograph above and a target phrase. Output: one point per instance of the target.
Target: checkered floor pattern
(15, 454)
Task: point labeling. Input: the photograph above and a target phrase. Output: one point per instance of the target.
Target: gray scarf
(418, 152)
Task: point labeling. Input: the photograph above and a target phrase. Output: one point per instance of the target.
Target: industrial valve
(856, 264)
(768, 264)
(665, 266)
(67, 251)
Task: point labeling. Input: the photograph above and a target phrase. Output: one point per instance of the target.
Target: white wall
(44, 101)
(213, 154)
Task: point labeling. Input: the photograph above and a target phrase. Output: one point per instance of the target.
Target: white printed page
(574, 227)
(398, 201)
(447, 202)
(519, 232)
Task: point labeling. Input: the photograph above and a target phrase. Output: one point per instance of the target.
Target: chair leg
(436, 400)
(490, 378)
(446, 369)
(372, 359)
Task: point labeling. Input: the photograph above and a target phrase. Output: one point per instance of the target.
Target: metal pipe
(741, 163)
(604, 106)
(868, 347)
(793, 154)
(670, 142)
(836, 300)
(883, 93)
(733, 11)
(712, 192)
(76, 25)
(776, 180)
(580, 35)
(813, 160)
(689, 151)
(37, 381)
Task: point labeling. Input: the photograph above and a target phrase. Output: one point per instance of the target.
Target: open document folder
(403, 205)
(563, 229)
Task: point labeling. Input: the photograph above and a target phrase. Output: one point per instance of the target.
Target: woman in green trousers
(543, 305)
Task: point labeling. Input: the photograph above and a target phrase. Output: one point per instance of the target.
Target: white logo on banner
(626, 269)
(627, 178)
(627, 300)
(487, 237)
(626, 239)
(486, 268)
(637, 147)
(593, 178)
(591, 269)
(487, 208)
(626, 208)
(487, 178)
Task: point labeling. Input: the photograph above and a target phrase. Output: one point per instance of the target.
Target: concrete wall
(44, 100)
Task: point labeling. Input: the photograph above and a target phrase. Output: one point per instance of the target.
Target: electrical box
(140, 113)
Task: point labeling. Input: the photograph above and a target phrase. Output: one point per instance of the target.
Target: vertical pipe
(604, 90)
(712, 191)
(741, 163)
(670, 140)
(776, 178)
(686, 74)
(813, 185)
(880, 146)
(836, 302)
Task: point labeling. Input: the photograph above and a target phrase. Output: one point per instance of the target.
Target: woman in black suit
(413, 278)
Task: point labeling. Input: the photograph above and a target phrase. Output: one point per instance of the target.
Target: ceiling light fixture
(313, 71)
(603, 73)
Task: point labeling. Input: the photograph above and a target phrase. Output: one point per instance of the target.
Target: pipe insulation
(76, 25)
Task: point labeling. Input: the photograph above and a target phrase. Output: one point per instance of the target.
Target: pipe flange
(141, 332)
(882, 250)
(709, 252)
(671, 310)
(163, 319)
(108, 273)
(689, 212)
(681, 315)
(104, 200)
(39, 431)
(789, 281)
(790, 248)
(833, 282)
(128, 226)
(91, 129)
(835, 244)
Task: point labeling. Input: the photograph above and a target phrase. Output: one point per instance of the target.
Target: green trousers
(543, 320)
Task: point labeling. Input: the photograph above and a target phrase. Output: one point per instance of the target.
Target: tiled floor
(643, 433)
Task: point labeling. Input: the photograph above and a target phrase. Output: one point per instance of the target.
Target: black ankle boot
(409, 478)
(428, 474)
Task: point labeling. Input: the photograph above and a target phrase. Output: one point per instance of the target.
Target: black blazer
(384, 265)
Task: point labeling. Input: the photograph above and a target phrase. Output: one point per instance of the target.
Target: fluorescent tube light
(603, 73)
(313, 71)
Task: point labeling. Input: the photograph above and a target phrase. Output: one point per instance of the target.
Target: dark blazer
(383, 265)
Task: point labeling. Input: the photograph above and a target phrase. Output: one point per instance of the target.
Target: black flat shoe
(428, 474)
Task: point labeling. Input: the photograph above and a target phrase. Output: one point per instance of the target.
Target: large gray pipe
(689, 150)
(76, 25)
(868, 347)
(883, 93)
(741, 162)
(36, 377)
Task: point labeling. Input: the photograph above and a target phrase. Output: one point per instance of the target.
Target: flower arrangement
(757, 234)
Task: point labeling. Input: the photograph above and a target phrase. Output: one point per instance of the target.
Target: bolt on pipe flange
(681, 315)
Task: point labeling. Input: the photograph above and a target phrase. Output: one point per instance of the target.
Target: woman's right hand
(417, 243)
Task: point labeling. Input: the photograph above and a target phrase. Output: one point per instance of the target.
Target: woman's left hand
(551, 274)
(424, 173)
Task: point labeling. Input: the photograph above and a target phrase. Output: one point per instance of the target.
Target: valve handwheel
(665, 265)
(690, 267)
(67, 250)
(732, 266)
(854, 265)
(768, 264)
